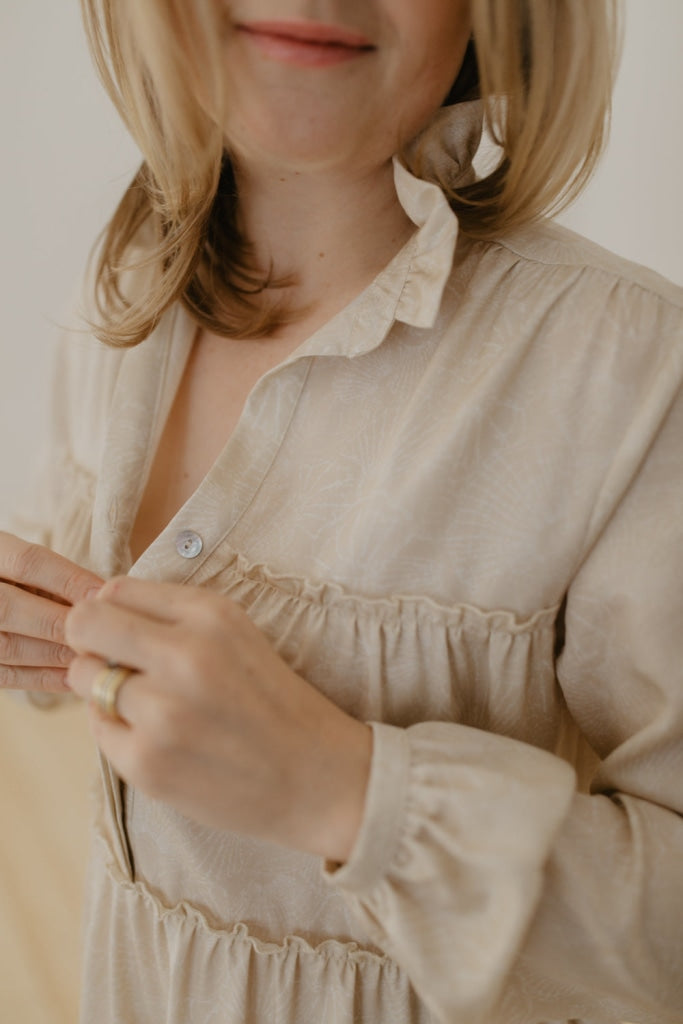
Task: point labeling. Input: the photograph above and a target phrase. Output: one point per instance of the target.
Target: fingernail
(93, 592)
(66, 656)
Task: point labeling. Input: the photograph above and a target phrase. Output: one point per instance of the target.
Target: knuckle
(47, 680)
(9, 678)
(114, 587)
(5, 602)
(8, 648)
(74, 623)
(63, 655)
(52, 627)
(78, 676)
(72, 585)
(22, 561)
(50, 680)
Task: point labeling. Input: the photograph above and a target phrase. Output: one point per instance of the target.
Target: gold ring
(105, 689)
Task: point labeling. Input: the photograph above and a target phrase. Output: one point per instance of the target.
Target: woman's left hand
(213, 721)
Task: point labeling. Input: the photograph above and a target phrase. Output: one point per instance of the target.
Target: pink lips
(306, 43)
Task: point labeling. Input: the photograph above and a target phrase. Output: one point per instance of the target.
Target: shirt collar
(409, 290)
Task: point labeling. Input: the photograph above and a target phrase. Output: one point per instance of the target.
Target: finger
(116, 634)
(164, 602)
(83, 672)
(35, 566)
(37, 591)
(25, 650)
(37, 680)
(29, 615)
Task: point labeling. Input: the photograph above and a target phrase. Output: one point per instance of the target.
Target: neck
(329, 234)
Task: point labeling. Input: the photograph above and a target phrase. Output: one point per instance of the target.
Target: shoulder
(84, 374)
(544, 264)
(572, 336)
(548, 244)
(89, 378)
(546, 289)
(84, 371)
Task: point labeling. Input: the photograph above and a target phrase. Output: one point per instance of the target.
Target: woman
(385, 481)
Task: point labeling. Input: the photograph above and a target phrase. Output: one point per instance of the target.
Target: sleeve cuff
(384, 816)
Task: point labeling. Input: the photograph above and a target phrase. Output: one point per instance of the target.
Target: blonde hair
(544, 70)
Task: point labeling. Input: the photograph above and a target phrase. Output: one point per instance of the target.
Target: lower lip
(303, 52)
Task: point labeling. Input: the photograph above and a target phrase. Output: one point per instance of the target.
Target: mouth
(306, 43)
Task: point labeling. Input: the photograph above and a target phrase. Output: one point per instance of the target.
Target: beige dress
(457, 509)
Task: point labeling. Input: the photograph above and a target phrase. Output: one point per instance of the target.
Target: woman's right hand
(37, 589)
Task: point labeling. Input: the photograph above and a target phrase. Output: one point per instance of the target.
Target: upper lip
(309, 32)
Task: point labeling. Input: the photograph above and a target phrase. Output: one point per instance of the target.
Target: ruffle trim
(237, 570)
(239, 934)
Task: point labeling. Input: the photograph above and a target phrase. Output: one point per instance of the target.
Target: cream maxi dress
(457, 509)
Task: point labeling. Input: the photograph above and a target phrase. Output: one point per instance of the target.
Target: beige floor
(46, 767)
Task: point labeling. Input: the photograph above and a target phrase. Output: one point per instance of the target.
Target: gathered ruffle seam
(327, 950)
(328, 594)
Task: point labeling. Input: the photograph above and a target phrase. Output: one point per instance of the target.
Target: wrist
(339, 790)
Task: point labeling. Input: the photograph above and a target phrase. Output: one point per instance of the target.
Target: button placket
(179, 551)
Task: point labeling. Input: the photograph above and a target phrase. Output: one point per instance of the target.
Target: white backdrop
(66, 159)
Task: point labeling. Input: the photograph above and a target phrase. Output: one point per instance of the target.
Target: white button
(188, 544)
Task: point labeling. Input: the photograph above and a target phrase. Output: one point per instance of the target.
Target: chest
(218, 377)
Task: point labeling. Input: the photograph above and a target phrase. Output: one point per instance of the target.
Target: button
(188, 544)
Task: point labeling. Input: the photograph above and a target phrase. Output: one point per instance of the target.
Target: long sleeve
(33, 512)
(55, 508)
(30, 512)
(610, 931)
(507, 895)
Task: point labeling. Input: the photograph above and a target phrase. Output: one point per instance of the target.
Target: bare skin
(219, 375)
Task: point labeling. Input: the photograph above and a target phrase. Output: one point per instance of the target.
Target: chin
(298, 153)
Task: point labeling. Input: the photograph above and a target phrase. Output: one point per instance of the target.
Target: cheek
(437, 31)
(449, 42)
